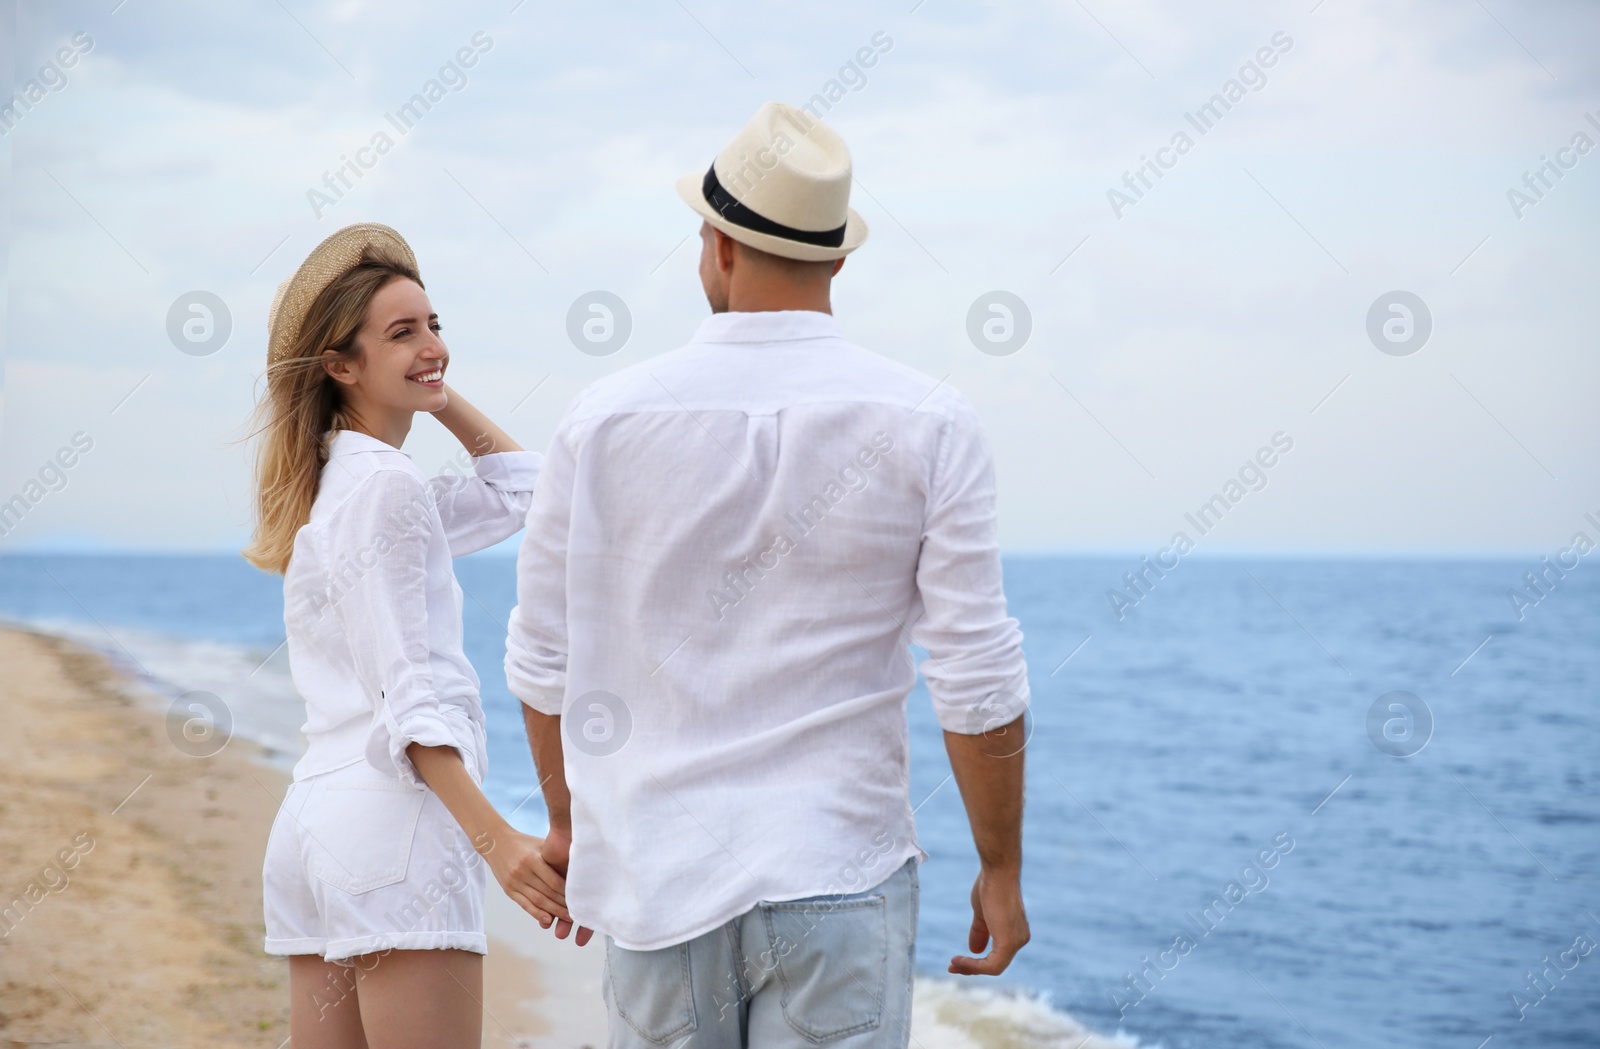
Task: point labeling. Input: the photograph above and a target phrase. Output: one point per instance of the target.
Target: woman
(373, 880)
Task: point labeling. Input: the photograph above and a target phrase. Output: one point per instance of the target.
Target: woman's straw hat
(328, 261)
(783, 186)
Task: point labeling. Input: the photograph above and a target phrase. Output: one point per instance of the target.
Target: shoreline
(130, 881)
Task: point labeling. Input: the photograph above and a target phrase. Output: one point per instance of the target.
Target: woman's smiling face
(402, 360)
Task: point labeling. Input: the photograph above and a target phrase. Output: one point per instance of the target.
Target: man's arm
(977, 678)
(544, 740)
(988, 771)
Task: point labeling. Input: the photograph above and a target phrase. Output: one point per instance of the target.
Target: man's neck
(772, 299)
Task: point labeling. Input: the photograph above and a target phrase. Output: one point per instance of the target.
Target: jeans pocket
(832, 957)
(651, 990)
(359, 835)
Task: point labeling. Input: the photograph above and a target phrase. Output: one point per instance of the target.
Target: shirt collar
(349, 442)
(768, 326)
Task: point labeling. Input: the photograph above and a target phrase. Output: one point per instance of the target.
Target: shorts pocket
(652, 991)
(358, 835)
(832, 958)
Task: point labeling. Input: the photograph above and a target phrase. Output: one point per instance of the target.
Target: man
(728, 551)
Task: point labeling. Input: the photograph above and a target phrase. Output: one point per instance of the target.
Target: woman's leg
(323, 1007)
(421, 999)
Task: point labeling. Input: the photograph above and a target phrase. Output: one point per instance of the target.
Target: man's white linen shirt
(728, 553)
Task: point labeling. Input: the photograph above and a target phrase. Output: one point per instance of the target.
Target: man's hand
(556, 849)
(996, 915)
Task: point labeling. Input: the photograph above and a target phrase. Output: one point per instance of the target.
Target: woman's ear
(340, 368)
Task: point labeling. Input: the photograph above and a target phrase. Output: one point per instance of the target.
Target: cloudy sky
(1172, 333)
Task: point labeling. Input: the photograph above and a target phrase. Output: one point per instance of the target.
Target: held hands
(522, 872)
(535, 886)
(555, 851)
(997, 915)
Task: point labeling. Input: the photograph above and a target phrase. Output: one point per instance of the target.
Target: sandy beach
(130, 877)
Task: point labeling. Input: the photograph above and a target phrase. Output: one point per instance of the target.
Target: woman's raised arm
(476, 431)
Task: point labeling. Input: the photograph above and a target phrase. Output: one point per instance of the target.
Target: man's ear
(725, 249)
(838, 264)
(340, 369)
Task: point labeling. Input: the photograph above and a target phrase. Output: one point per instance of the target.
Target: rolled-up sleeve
(975, 668)
(536, 641)
(480, 510)
(379, 554)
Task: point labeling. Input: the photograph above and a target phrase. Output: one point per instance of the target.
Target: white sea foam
(946, 1014)
(253, 684)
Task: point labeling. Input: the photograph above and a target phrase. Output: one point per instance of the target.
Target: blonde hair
(302, 404)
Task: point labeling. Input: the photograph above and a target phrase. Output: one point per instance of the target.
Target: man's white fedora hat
(783, 186)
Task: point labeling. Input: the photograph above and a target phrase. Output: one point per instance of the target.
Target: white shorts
(361, 863)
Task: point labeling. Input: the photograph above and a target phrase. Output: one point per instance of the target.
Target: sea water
(1272, 803)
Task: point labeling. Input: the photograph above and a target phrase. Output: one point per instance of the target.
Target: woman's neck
(391, 427)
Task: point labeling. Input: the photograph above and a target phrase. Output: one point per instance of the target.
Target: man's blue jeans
(829, 970)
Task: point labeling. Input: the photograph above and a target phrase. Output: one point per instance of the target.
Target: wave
(253, 685)
(946, 1014)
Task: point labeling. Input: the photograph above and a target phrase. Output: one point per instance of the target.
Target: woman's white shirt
(372, 609)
